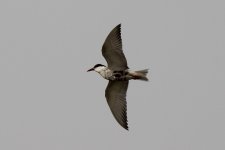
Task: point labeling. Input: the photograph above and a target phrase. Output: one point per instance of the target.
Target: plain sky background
(49, 102)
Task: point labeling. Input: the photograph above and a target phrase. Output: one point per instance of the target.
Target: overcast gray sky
(49, 102)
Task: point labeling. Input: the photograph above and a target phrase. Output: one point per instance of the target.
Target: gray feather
(115, 94)
(112, 50)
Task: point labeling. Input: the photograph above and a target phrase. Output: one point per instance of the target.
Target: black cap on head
(98, 65)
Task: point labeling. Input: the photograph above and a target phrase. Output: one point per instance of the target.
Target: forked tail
(140, 74)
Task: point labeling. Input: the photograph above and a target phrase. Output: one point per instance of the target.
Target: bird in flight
(118, 74)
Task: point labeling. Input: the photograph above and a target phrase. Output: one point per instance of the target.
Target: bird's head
(97, 68)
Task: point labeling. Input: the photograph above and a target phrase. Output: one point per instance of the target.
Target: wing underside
(112, 50)
(115, 94)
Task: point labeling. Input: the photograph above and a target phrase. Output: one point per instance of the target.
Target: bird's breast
(107, 73)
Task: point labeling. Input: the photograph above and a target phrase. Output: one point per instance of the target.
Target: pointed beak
(90, 69)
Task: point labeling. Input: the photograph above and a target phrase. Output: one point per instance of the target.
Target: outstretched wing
(112, 50)
(115, 94)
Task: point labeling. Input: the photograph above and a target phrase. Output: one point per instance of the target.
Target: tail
(140, 74)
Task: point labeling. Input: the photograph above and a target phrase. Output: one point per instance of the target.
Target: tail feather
(140, 74)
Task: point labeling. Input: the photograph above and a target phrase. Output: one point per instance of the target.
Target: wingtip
(125, 126)
(118, 26)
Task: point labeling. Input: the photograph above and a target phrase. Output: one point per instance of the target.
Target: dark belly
(121, 76)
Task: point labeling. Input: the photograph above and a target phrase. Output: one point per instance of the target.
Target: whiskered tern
(118, 75)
